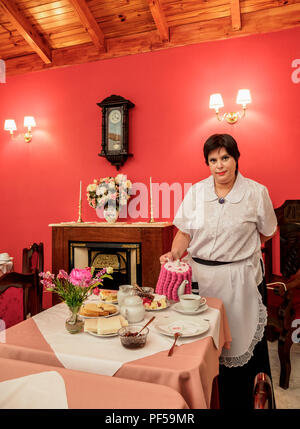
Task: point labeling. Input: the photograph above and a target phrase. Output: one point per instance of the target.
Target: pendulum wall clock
(115, 124)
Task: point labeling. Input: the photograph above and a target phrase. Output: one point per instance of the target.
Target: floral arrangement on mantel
(111, 193)
(74, 289)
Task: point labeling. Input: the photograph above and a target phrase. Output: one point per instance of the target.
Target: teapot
(124, 291)
(181, 287)
(133, 309)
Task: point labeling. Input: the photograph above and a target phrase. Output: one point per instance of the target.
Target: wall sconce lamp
(243, 98)
(29, 122)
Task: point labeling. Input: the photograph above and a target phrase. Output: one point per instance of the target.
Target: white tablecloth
(105, 356)
(45, 390)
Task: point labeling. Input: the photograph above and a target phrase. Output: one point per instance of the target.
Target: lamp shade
(216, 101)
(29, 121)
(243, 97)
(10, 125)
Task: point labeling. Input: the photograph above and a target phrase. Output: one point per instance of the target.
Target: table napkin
(105, 356)
(45, 390)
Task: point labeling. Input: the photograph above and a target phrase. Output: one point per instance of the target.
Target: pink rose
(80, 277)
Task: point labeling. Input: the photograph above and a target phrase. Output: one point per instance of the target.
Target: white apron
(235, 284)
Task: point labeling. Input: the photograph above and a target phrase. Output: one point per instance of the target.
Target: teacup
(4, 257)
(191, 302)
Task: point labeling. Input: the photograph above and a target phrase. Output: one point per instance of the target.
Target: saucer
(187, 328)
(177, 307)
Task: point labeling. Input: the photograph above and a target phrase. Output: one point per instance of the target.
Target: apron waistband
(212, 263)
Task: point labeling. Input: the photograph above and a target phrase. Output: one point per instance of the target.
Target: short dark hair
(217, 141)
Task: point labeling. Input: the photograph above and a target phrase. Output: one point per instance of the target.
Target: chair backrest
(288, 217)
(33, 262)
(33, 258)
(29, 284)
(263, 396)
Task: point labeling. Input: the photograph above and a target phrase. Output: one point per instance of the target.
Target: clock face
(114, 141)
(115, 116)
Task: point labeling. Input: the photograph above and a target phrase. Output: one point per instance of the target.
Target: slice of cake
(157, 303)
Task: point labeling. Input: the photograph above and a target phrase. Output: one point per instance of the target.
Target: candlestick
(80, 201)
(151, 203)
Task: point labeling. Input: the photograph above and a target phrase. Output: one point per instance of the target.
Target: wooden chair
(283, 298)
(33, 262)
(33, 258)
(29, 284)
(263, 396)
(29, 281)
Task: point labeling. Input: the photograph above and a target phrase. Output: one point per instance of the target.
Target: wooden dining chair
(29, 284)
(33, 258)
(283, 300)
(263, 396)
(33, 262)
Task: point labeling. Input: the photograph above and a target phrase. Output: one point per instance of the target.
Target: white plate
(108, 302)
(177, 307)
(186, 327)
(93, 298)
(158, 309)
(96, 317)
(101, 335)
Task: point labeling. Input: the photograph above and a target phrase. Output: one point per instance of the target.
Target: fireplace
(123, 257)
(137, 246)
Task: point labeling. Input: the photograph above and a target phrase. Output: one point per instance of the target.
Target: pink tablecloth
(94, 391)
(190, 371)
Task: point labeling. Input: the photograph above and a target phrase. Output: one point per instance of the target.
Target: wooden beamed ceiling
(37, 35)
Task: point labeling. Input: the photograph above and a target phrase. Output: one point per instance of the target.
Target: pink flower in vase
(63, 275)
(80, 277)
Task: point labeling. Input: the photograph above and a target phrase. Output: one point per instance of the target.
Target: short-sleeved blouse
(229, 232)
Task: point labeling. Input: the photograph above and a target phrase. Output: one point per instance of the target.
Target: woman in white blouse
(222, 222)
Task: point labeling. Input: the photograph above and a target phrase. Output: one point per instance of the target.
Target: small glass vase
(74, 323)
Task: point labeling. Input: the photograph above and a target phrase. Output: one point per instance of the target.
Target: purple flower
(63, 275)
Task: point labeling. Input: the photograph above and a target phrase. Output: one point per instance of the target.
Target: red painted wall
(39, 182)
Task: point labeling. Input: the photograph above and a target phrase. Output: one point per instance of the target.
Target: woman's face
(222, 166)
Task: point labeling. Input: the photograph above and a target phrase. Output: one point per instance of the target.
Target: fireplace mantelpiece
(155, 238)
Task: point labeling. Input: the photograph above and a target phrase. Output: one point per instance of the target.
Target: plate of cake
(92, 310)
(109, 296)
(101, 327)
(156, 302)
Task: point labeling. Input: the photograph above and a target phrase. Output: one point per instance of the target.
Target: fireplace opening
(125, 258)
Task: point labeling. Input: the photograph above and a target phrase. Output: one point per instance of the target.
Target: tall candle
(151, 190)
(79, 205)
(151, 202)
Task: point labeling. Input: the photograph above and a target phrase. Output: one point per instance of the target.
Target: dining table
(28, 385)
(191, 371)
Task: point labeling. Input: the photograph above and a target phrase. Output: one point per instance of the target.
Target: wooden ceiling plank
(24, 27)
(90, 23)
(235, 14)
(160, 20)
(262, 21)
